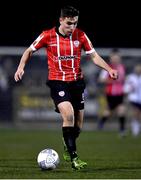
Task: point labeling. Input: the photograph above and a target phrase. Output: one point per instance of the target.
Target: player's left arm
(99, 61)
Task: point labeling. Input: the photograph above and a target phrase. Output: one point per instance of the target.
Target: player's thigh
(66, 110)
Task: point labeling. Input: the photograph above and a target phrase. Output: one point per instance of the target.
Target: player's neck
(61, 31)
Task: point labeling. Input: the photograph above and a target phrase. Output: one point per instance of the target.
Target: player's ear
(60, 19)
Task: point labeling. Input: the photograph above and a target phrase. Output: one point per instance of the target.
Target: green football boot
(77, 164)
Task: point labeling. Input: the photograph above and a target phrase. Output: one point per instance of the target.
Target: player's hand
(113, 74)
(18, 75)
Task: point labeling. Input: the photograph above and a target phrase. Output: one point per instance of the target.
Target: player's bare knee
(68, 120)
(121, 110)
(106, 113)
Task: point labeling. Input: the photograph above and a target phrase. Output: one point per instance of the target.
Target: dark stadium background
(107, 23)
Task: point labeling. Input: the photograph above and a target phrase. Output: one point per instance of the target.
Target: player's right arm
(24, 59)
(41, 41)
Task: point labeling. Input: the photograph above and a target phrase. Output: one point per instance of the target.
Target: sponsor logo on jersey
(69, 57)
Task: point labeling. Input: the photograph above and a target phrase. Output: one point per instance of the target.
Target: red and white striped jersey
(114, 87)
(63, 53)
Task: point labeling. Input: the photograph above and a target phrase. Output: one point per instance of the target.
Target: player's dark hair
(69, 11)
(115, 51)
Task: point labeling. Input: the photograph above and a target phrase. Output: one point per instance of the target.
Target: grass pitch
(107, 155)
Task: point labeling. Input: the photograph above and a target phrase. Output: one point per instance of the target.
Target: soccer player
(65, 79)
(114, 92)
(132, 88)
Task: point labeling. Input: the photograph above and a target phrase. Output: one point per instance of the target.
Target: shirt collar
(57, 31)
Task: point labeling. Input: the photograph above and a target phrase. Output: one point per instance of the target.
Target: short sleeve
(39, 42)
(87, 45)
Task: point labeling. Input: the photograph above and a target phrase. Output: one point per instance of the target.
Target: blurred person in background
(114, 93)
(4, 96)
(8, 68)
(133, 90)
(63, 45)
(6, 88)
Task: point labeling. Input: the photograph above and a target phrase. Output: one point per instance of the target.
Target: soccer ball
(48, 159)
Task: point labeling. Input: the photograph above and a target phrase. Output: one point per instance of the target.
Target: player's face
(138, 69)
(68, 25)
(115, 59)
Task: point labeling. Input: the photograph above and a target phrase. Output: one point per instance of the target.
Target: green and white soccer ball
(48, 159)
